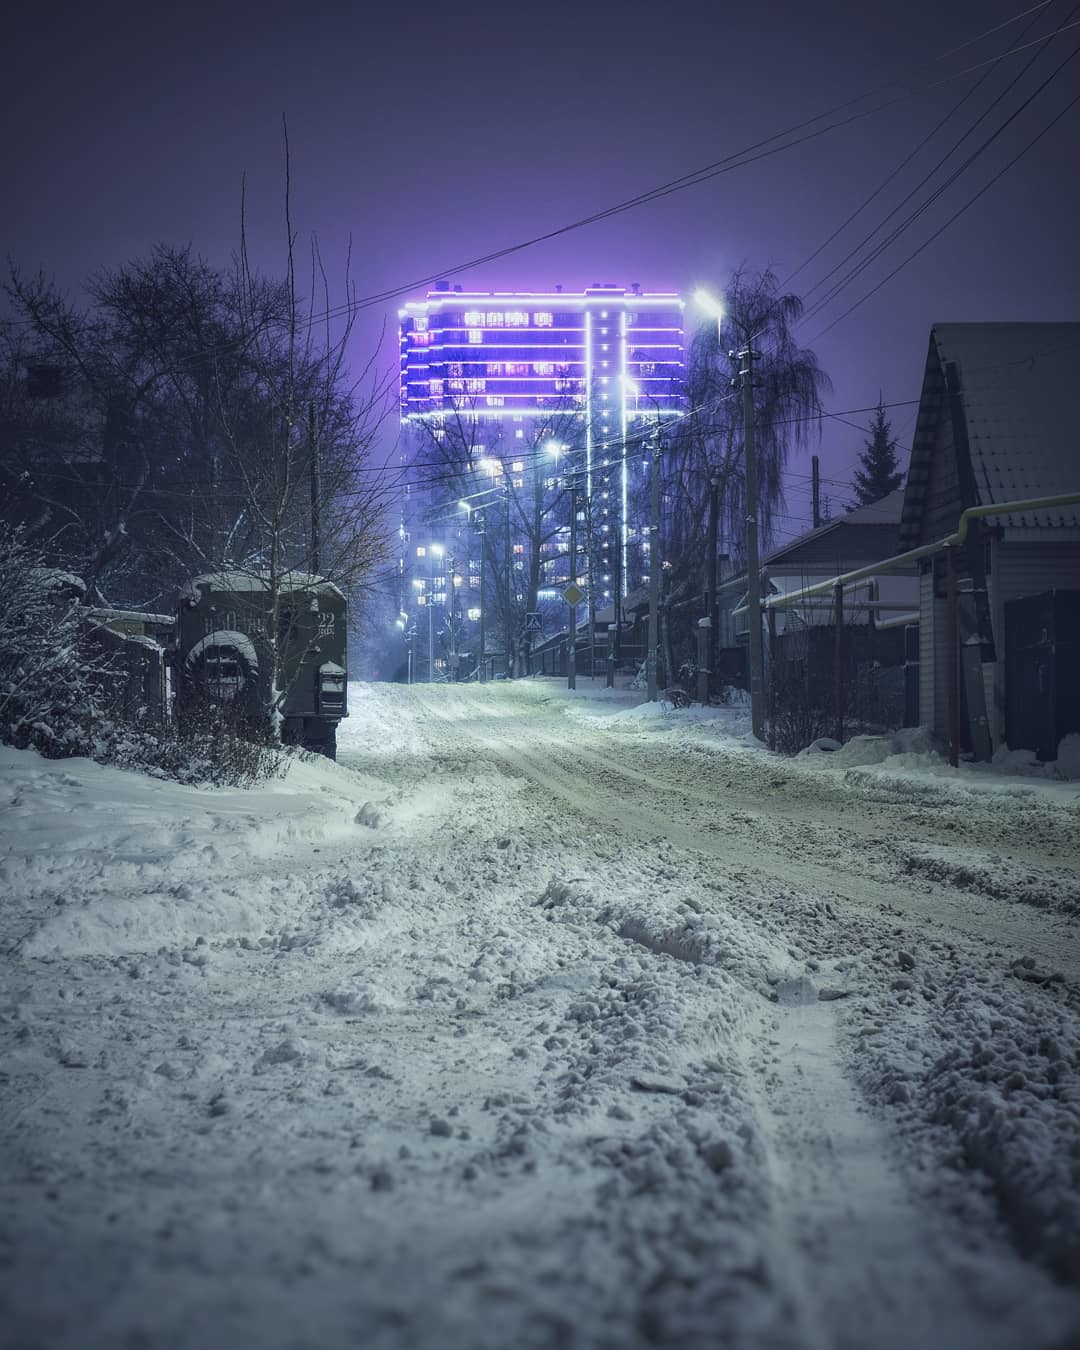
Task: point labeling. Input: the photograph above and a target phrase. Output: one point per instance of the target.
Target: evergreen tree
(879, 474)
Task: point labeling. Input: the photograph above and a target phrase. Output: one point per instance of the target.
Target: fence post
(952, 663)
(771, 700)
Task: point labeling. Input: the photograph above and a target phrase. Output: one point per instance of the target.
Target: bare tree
(707, 445)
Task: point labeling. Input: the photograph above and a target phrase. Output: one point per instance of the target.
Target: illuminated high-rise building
(492, 382)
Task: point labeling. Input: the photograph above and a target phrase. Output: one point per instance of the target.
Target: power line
(737, 159)
(955, 216)
(890, 177)
(821, 304)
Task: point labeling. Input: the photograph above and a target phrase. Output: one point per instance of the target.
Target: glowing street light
(710, 304)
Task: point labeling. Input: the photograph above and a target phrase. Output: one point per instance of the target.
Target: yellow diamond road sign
(573, 595)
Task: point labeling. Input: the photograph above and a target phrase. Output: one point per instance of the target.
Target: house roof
(863, 535)
(1017, 385)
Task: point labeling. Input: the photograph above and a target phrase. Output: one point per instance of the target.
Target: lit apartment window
(455, 368)
(474, 615)
(475, 386)
(457, 386)
(517, 318)
(494, 367)
(543, 320)
(518, 466)
(519, 435)
(495, 319)
(476, 335)
(420, 324)
(519, 482)
(495, 401)
(421, 552)
(543, 367)
(519, 548)
(474, 318)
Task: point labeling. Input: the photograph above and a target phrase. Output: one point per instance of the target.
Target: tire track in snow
(858, 1258)
(614, 796)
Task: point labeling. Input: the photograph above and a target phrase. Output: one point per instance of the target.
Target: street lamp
(494, 468)
(745, 379)
(478, 526)
(652, 653)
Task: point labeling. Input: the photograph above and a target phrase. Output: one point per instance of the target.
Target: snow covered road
(541, 1021)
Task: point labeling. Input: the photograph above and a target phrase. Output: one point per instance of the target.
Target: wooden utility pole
(480, 534)
(711, 584)
(747, 357)
(509, 582)
(571, 654)
(838, 659)
(316, 522)
(815, 489)
(654, 568)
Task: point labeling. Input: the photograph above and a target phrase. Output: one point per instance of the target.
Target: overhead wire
(1037, 10)
(934, 196)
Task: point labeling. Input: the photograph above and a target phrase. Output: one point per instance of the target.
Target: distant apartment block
(512, 373)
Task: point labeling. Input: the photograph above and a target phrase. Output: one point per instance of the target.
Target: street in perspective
(544, 1019)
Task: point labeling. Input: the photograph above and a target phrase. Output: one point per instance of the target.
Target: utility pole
(316, 523)
(436, 551)
(452, 594)
(711, 581)
(509, 583)
(747, 357)
(654, 567)
(815, 489)
(571, 654)
(617, 568)
(480, 533)
(431, 628)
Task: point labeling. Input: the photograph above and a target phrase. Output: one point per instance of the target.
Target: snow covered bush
(205, 749)
(59, 689)
(50, 695)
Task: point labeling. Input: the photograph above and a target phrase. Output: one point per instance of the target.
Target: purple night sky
(432, 134)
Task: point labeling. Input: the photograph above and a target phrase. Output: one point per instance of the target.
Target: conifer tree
(879, 474)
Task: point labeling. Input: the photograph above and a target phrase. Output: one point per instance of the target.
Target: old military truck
(223, 655)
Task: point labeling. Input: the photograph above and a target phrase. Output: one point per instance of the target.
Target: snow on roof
(132, 616)
(332, 668)
(1017, 385)
(859, 536)
(225, 637)
(235, 580)
(55, 578)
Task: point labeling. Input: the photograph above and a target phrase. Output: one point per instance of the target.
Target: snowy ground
(541, 1021)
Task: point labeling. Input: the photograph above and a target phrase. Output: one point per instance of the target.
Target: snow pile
(993, 1087)
(129, 863)
(538, 1020)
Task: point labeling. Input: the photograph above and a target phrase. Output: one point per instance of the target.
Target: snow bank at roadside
(991, 1085)
(132, 862)
(906, 762)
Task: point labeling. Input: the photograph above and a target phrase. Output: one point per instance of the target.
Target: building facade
(506, 398)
